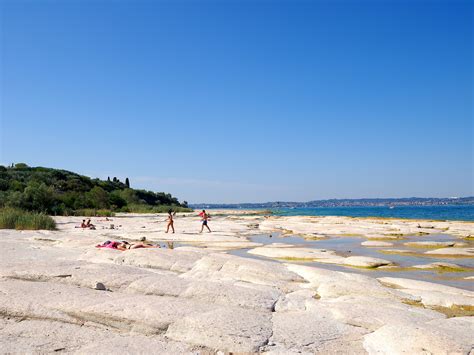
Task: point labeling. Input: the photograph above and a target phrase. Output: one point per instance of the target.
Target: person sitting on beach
(89, 224)
(204, 218)
(85, 225)
(170, 221)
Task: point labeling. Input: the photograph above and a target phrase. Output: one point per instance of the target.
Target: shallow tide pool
(347, 246)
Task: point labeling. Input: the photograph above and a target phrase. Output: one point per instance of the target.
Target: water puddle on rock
(347, 246)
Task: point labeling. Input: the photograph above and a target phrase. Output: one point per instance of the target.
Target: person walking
(204, 219)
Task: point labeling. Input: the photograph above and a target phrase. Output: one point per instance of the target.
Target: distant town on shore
(363, 202)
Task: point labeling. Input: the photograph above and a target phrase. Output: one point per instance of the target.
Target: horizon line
(335, 199)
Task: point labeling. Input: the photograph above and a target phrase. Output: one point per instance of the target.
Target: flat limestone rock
(159, 285)
(167, 259)
(222, 267)
(371, 226)
(438, 265)
(452, 251)
(296, 301)
(432, 294)
(297, 253)
(373, 313)
(430, 244)
(226, 329)
(399, 251)
(376, 243)
(319, 255)
(365, 261)
(213, 292)
(41, 336)
(440, 336)
(243, 295)
(333, 284)
(143, 314)
(78, 273)
(321, 333)
(423, 285)
(442, 299)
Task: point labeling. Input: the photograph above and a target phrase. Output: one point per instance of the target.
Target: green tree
(38, 197)
(116, 201)
(98, 197)
(16, 185)
(127, 183)
(21, 166)
(4, 185)
(15, 199)
(129, 196)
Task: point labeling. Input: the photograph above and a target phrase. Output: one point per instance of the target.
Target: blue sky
(244, 101)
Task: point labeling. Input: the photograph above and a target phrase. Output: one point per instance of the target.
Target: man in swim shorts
(204, 219)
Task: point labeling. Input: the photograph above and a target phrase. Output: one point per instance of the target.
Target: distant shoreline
(361, 202)
(439, 213)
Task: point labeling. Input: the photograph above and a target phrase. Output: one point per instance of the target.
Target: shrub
(11, 218)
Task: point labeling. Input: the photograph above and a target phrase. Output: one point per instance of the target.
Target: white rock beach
(200, 298)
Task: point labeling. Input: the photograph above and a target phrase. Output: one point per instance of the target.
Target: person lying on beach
(109, 244)
(170, 221)
(140, 245)
(204, 218)
(89, 224)
(124, 245)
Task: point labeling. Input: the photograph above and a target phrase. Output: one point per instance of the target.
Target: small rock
(100, 286)
(365, 261)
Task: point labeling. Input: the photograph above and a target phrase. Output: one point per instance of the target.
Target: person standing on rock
(170, 221)
(204, 218)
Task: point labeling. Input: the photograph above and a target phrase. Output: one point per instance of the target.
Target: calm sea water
(458, 213)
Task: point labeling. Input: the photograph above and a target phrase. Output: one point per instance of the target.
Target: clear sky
(244, 101)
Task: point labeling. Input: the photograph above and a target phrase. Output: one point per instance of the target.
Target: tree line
(61, 192)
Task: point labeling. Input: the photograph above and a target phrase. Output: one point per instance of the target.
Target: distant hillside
(368, 202)
(61, 192)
